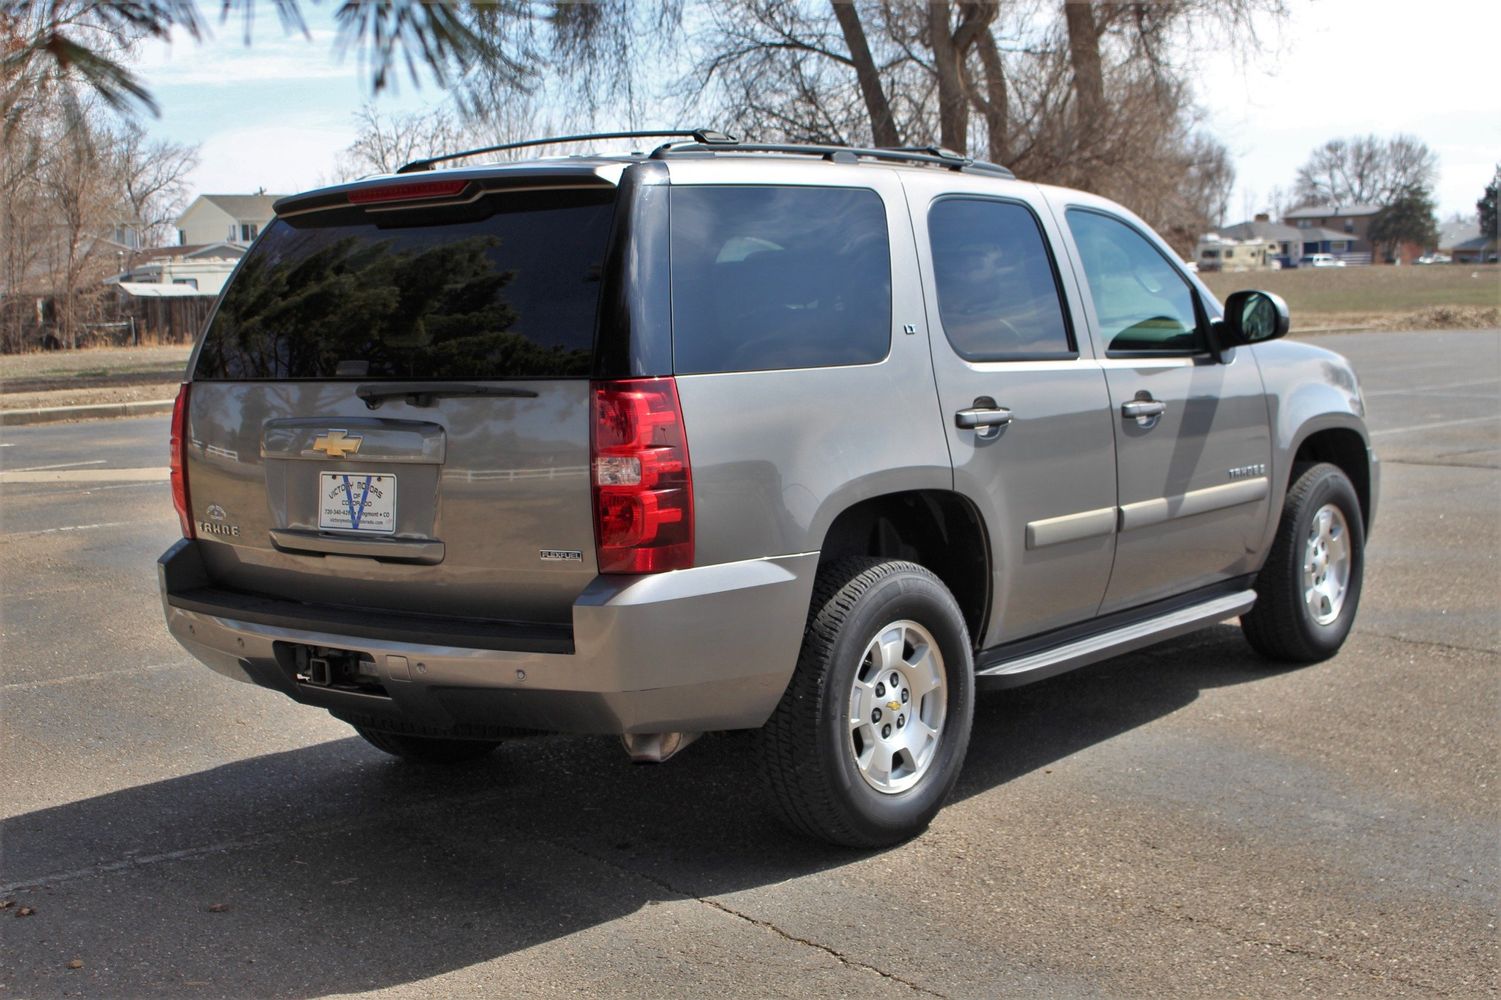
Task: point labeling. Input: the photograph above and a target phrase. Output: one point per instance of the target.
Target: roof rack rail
(932, 155)
(706, 137)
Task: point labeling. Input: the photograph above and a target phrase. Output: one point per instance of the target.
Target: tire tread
(793, 761)
(1274, 626)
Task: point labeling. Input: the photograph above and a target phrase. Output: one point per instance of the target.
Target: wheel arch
(939, 529)
(1345, 447)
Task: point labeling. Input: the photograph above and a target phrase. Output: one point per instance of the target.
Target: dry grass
(103, 364)
(1430, 297)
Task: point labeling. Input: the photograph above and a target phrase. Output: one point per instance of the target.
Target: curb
(51, 414)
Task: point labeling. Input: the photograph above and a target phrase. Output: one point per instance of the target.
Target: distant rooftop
(1452, 234)
(1262, 230)
(244, 206)
(1331, 211)
(1280, 233)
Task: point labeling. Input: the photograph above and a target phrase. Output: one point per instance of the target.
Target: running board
(1029, 667)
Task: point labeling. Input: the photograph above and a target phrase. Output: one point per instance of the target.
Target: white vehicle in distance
(1321, 260)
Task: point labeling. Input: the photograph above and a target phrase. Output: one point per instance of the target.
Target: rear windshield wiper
(423, 393)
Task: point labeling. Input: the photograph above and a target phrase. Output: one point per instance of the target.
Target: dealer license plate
(357, 502)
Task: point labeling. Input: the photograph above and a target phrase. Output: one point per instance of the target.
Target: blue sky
(275, 114)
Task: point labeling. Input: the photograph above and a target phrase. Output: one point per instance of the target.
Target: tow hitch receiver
(324, 667)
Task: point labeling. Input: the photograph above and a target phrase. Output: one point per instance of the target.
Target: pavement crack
(101, 675)
(1294, 950)
(1452, 647)
(768, 925)
(143, 861)
(1439, 465)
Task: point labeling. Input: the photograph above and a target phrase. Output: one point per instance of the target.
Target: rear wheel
(870, 735)
(426, 749)
(1308, 591)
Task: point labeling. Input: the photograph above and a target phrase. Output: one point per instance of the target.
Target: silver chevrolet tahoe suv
(812, 441)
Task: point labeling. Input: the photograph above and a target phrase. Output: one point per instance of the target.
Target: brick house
(1326, 227)
(1289, 243)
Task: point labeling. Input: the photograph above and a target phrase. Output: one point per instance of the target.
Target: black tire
(1281, 626)
(426, 749)
(809, 767)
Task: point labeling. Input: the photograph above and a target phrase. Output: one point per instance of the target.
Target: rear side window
(507, 287)
(778, 277)
(997, 289)
(1141, 301)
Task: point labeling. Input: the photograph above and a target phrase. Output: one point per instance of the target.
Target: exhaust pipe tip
(654, 748)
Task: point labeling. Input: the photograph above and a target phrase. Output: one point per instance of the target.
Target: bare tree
(1083, 94)
(70, 183)
(387, 141)
(1084, 57)
(587, 57)
(1365, 169)
(22, 229)
(77, 203)
(867, 74)
(152, 180)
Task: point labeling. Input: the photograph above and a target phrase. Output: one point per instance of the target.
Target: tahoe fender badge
(561, 555)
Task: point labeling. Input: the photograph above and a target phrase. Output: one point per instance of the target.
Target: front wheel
(1307, 592)
(870, 735)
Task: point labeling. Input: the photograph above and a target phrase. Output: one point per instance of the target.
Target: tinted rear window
(778, 277)
(997, 292)
(505, 288)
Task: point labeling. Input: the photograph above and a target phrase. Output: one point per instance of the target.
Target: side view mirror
(1252, 317)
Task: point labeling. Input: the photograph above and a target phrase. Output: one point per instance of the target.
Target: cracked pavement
(1179, 821)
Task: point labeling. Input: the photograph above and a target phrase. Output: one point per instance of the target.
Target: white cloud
(224, 60)
(1350, 67)
(281, 159)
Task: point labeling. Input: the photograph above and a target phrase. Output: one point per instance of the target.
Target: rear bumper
(700, 649)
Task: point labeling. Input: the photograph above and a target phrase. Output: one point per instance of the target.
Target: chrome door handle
(982, 416)
(1143, 408)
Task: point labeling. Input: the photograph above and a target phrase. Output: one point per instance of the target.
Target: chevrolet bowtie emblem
(895, 706)
(336, 444)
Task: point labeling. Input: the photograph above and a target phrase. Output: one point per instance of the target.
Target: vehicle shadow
(332, 869)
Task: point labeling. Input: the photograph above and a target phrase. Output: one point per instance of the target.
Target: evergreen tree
(1487, 205)
(1407, 219)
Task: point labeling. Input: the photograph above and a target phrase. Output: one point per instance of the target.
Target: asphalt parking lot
(1181, 821)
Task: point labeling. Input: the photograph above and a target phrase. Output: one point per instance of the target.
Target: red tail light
(179, 460)
(643, 483)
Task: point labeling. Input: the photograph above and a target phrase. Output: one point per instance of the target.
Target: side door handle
(1140, 408)
(984, 417)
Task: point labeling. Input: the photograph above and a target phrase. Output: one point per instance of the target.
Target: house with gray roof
(1292, 242)
(225, 218)
(1479, 250)
(1350, 224)
(1452, 234)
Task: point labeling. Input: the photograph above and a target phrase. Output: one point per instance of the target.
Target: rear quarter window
(997, 285)
(778, 277)
(506, 287)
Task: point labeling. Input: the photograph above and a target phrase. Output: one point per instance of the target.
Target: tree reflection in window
(510, 296)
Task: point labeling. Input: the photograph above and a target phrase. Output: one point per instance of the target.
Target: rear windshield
(505, 288)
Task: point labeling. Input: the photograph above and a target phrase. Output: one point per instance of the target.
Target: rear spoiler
(452, 187)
